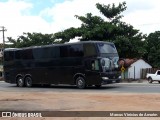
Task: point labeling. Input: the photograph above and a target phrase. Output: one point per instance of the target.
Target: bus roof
(63, 44)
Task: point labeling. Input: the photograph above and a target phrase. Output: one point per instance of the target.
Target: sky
(51, 16)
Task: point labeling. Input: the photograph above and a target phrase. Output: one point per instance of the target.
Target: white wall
(138, 65)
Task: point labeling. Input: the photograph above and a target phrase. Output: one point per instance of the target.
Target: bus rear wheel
(28, 81)
(80, 82)
(20, 81)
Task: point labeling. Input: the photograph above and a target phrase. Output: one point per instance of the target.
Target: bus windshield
(106, 48)
(109, 64)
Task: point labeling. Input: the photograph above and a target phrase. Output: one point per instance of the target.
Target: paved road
(137, 96)
(111, 88)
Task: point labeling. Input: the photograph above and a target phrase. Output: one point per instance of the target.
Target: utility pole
(3, 30)
(2, 47)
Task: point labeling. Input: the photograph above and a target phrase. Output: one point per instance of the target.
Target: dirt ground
(79, 101)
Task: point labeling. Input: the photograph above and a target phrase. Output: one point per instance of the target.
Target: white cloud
(16, 15)
(63, 14)
(144, 16)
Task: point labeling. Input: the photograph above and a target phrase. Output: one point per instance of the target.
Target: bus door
(92, 72)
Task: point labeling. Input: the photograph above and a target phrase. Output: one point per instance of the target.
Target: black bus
(81, 64)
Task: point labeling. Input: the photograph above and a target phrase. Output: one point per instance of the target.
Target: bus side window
(89, 50)
(94, 64)
(9, 55)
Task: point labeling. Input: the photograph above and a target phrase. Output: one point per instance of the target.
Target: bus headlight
(105, 78)
(119, 77)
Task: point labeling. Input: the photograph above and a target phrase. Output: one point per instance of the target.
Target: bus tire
(20, 81)
(28, 81)
(80, 82)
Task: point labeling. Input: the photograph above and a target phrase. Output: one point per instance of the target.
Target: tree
(127, 39)
(112, 12)
(67, 34)
(31, 39)
(94, 27)
(153, 49)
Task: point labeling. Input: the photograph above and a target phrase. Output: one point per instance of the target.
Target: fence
(147, 70)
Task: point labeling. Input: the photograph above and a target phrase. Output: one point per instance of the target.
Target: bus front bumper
(106, 80)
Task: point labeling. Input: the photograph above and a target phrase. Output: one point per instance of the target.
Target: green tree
(31, 39)
(112, 12)
(153, 49)
(95, 27)
(67, 34)
(127, 39)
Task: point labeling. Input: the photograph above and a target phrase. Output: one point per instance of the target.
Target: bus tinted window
(27, 54)
(55, 52)
(18, 54)
(51, 52)
(76, 50)
(37, 53)
(9, 55)
(64, 51)
(47, 52)
(40, 53)
(106, 48)
(89, 49)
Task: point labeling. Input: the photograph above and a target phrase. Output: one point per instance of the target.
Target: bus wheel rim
(28, 81)
(20, 82)
(80, 82)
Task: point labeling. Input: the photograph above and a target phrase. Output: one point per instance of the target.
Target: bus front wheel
(28, 81)
(20, 82)
(80, 82)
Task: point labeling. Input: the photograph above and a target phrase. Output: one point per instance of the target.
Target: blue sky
(50, 16)
(39, 5)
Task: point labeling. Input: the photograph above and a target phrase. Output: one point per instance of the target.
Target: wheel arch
(78, 75)
(19, 82)
(27, 75)
(19, 75)
(30, 82)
